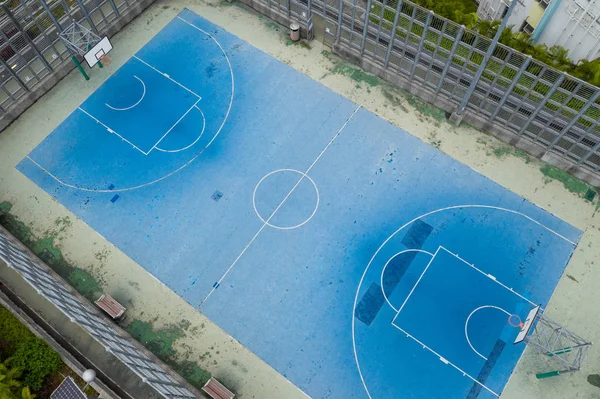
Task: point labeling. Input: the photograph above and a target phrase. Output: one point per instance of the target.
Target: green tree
(588, 70)
(9, 382)
(26, 394)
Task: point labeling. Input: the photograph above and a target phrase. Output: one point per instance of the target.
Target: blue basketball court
(356, 260)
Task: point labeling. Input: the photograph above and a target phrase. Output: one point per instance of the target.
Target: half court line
(266, 223)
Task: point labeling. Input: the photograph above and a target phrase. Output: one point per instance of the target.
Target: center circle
(285, 192)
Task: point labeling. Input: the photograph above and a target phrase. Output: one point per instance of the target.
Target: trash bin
(295, 31)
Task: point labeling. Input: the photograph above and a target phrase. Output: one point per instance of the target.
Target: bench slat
(217, 390)
(110, 306)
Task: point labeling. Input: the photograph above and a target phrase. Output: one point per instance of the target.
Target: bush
(25, 351)
(37, 360)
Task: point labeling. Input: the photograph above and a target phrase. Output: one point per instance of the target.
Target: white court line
(286, 227)
(386, 265)
(134, 105)
(266, 223)
(467, 325)
(111, 131)
(172, 127)
(195, 141)
(446, 361)
(467, 206)
(117, 190)
(166, 76)
(490, 277)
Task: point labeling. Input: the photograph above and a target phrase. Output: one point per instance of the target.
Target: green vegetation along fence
(32, 57)
(124, 348)
(549, 113)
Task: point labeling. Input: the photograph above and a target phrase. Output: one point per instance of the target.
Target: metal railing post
(511, 87)
(52, 17)
(543, 102)
(26, 37)
(394, 27)
(14, 75)
(421, 42)
(450, 56)
(338, 33)
(574, 120)
(458, 114)
(87, 16)
(365, 26)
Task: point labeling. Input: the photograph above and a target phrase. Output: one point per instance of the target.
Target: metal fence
(57, 292)
(534, 106)
(32, 56)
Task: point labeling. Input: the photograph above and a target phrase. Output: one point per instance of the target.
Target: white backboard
(527, 325)
(100, 49)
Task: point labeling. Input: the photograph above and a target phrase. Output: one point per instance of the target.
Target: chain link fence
(531, 105)
(32, 56)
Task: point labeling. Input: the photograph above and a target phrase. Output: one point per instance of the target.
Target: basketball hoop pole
(80, 67)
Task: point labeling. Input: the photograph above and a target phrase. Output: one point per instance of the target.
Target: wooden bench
(216, 390)
(113, 308)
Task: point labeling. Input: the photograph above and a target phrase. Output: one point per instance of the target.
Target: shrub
(37, 360)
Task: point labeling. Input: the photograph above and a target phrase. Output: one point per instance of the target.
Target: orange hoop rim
(514, 317)
(105, 59)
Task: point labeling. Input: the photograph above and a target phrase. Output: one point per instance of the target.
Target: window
(504, 12)
(544, 3)
(527, 28)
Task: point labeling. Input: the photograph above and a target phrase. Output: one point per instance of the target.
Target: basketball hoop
(105, 60)
(515, 321)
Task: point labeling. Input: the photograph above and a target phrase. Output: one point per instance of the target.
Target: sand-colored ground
(195, 338)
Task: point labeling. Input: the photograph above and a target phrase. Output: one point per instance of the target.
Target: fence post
(589, 154)
(574, 120)
(450, 56)
(338, 33)
(87, 16)
(52, 17)
(26, 37)
(394, 27)
(14, 75)
(114, 7)
(511, 86)
(458, 115)
(543, 102)
(421, 42)
(365, 26)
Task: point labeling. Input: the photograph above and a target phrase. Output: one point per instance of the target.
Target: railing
(32, 56)
(56, 291)
(549, 113)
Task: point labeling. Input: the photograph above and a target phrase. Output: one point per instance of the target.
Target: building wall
(575, 24)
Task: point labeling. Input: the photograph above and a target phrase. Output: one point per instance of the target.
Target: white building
(573, 24)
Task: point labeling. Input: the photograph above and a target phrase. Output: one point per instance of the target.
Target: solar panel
(68, 389)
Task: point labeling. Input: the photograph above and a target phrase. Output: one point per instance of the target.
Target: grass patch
(45, 248)
(161, 341)
(571, 183)
(356, 74)
(502, 151)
